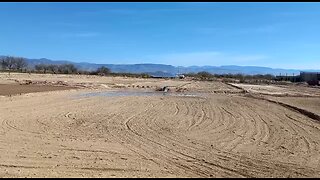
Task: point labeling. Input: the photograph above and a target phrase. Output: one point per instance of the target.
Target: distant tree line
(71, 69)
(12, 63)
(56, 69)
(240, 77)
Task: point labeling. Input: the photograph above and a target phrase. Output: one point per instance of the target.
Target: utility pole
(293, 77)
(280, 77)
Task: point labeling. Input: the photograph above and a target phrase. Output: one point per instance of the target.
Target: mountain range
(169, 70)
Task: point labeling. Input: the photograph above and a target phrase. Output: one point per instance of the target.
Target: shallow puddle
(139, 93)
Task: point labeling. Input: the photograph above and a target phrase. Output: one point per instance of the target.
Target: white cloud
(269, 28)
(79, 35)
(295, 65)
(247, 58)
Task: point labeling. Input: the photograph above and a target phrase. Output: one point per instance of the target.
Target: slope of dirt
(281, 90)
(311, 104)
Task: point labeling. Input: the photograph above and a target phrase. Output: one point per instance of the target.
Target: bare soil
(223, 133)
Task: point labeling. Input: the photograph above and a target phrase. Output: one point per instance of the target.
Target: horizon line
(71, 61)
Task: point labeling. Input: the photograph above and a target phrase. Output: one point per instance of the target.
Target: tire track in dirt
(142, 131)
(157, 144)
(297, 131)
(220, 136)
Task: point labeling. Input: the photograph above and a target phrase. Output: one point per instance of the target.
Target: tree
(10, 63)
(204, 75)
(3, 63)
(53, 68)
(67, 69)
(103, 71)
(20, 63)
(13, 63)
(41, 67)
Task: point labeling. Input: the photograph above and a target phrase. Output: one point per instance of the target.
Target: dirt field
(221, 131)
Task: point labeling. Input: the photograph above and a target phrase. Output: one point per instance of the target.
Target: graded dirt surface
(223, 132)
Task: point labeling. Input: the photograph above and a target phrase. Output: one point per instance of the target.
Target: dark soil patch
(14, 89)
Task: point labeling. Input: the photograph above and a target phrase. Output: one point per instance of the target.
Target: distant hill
(129, 68)
(169, 70)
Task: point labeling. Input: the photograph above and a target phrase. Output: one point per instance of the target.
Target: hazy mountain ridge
(169, 69)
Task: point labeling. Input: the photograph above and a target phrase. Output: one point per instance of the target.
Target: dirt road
(63, 134)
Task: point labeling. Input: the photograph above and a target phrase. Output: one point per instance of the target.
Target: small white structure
(180, 76)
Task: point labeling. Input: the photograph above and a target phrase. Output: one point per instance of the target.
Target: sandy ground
(222, 133)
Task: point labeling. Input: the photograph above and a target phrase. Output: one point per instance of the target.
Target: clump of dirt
(181, 89)
(164, 89)
(57, 83)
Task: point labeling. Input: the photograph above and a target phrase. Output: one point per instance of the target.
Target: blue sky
(279, 35)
